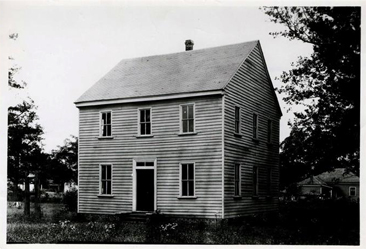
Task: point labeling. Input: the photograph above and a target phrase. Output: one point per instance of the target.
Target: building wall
(204, 148)
(342, 190)
(251, 90)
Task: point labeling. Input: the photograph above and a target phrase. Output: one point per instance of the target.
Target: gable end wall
(251, 90)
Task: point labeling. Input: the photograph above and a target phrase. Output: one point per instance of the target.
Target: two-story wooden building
(194, 133)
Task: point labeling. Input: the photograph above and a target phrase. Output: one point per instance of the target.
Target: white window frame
(100, 179)
(181, 119)
(180, 180)
(139, 122)
(255, 127)
(349, 190)
(235, 120)
(235, 180)
(101, 125)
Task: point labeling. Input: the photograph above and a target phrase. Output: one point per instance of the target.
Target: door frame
(134, 178)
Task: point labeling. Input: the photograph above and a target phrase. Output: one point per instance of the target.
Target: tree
(64, 162)
(326, 134)
(25, 154)
(24, 143)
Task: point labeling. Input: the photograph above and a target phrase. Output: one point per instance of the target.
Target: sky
(63, 48)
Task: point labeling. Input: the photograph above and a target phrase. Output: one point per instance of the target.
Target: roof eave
(147, 98)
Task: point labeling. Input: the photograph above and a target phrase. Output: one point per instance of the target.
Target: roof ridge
(185, 52)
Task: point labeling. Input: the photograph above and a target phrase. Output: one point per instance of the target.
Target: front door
(145, 189)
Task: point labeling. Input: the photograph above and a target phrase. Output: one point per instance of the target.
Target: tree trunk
(27, 197)
(37, 207)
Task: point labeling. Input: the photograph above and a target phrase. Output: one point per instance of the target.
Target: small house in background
(334, 184)
(191, 134)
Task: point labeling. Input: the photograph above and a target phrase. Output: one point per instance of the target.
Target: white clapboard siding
(251, 90)
(204, 148)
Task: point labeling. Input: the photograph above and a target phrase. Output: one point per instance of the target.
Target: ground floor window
(237, 180)
(187, 179)
(255, 180)
(106, 179)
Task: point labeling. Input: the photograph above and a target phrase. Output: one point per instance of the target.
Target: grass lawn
(313, 223)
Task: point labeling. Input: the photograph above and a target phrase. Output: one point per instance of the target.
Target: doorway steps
(135, 216)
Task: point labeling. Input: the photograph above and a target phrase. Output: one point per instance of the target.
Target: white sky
(64, 48)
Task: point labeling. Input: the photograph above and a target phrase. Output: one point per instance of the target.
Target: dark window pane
(184, 171)
(108, 130)
(185, 128)
(142, 115)
(147, 115)
(109, 172)
(108, 118)
(103, 172)
(149, 163)
(184, 112)
(103, 118)
(191, 188)
(148, 128)
(191, 125)
(190, 111)
(140, 164)
(142, 131)
(184, 188)
(103, 187)
(109, 187)
(190, 172)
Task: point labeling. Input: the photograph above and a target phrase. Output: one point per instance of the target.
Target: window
(255, 180)
(269, 181)
(187, 177)
(106, 124)
(269, 131)
(145, 164)
(352, 191)
(106, 179)
(237, 186)
(237, 119)
(255, 126)
(145, 122)
(187, 118)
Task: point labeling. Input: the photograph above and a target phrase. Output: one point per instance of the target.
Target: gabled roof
(312, 181)
(185, 72)
(338, 175)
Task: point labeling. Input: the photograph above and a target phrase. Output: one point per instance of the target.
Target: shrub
(70, 200)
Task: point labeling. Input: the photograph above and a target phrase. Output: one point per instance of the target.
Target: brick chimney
(189, 45)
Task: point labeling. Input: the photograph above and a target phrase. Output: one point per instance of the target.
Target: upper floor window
(269, 131)
(187, 179)
(237, 119)
(187, 118)
(255, 126)
(145, 122)
(106, 124)
(237, 188)
(255, 180)
(352, 191)
(106, 179)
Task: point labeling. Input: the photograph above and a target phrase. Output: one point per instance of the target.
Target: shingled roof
(185, 72)
(338, 175)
